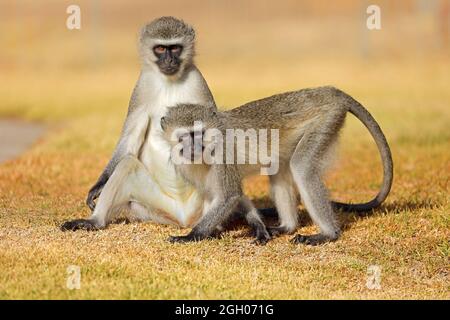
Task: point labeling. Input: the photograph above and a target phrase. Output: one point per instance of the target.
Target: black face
(193, 144)
(168, 58)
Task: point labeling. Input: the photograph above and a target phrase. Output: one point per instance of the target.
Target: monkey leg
(284, 195)
(306, 172)
(130, 186)
(254, 220)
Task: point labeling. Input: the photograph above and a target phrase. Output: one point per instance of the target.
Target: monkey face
(168, 58)
(167, 44)
(191, 145)
(186, 144)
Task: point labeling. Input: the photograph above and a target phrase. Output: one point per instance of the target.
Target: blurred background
(245, 48)
(77, 83)
(80, 81)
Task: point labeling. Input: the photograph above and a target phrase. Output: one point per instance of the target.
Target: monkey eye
(175, 48)
(159, 49)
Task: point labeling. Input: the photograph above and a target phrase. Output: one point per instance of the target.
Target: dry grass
(408, 237)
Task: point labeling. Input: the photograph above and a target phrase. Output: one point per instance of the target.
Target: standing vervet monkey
(308, 123)
(139, 176)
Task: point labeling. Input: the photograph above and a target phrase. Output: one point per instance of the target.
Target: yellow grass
(83, 106)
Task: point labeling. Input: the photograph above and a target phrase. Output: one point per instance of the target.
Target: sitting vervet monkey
(139, 176)
(308, 123)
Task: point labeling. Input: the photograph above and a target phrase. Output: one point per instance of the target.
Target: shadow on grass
(346, 218)
(395, 207)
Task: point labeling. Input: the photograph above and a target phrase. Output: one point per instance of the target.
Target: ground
(83, 107)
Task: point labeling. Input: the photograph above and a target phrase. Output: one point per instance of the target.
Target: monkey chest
(155, 151)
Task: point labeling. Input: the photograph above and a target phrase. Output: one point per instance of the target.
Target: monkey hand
(191, 237)
(275, 231)
(262, 237)
(93, 194)
(313, 240)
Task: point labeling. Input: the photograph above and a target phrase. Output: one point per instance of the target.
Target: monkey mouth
(169, 71)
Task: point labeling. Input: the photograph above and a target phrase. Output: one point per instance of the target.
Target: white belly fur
(186, 201)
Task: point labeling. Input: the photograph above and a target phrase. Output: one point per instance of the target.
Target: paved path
(17, 136)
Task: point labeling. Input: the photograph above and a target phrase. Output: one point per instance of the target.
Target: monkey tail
(366, 118)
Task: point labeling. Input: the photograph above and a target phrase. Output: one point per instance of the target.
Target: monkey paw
(277, 231)
(262, 238)
(311, 240)
(93, 194)
(78, 224)
(183, 239)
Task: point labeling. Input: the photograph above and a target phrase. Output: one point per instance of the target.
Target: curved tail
(366, 118)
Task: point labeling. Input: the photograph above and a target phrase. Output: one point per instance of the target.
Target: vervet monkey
(308, 122)
(139, 176)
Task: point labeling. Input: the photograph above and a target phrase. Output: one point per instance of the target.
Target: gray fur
(168, 28)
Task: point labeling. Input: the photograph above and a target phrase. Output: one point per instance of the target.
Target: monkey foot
(183, 239)
(78, 224)
(277, 231)
(311, 240)
(262, 239)
(261, 235)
